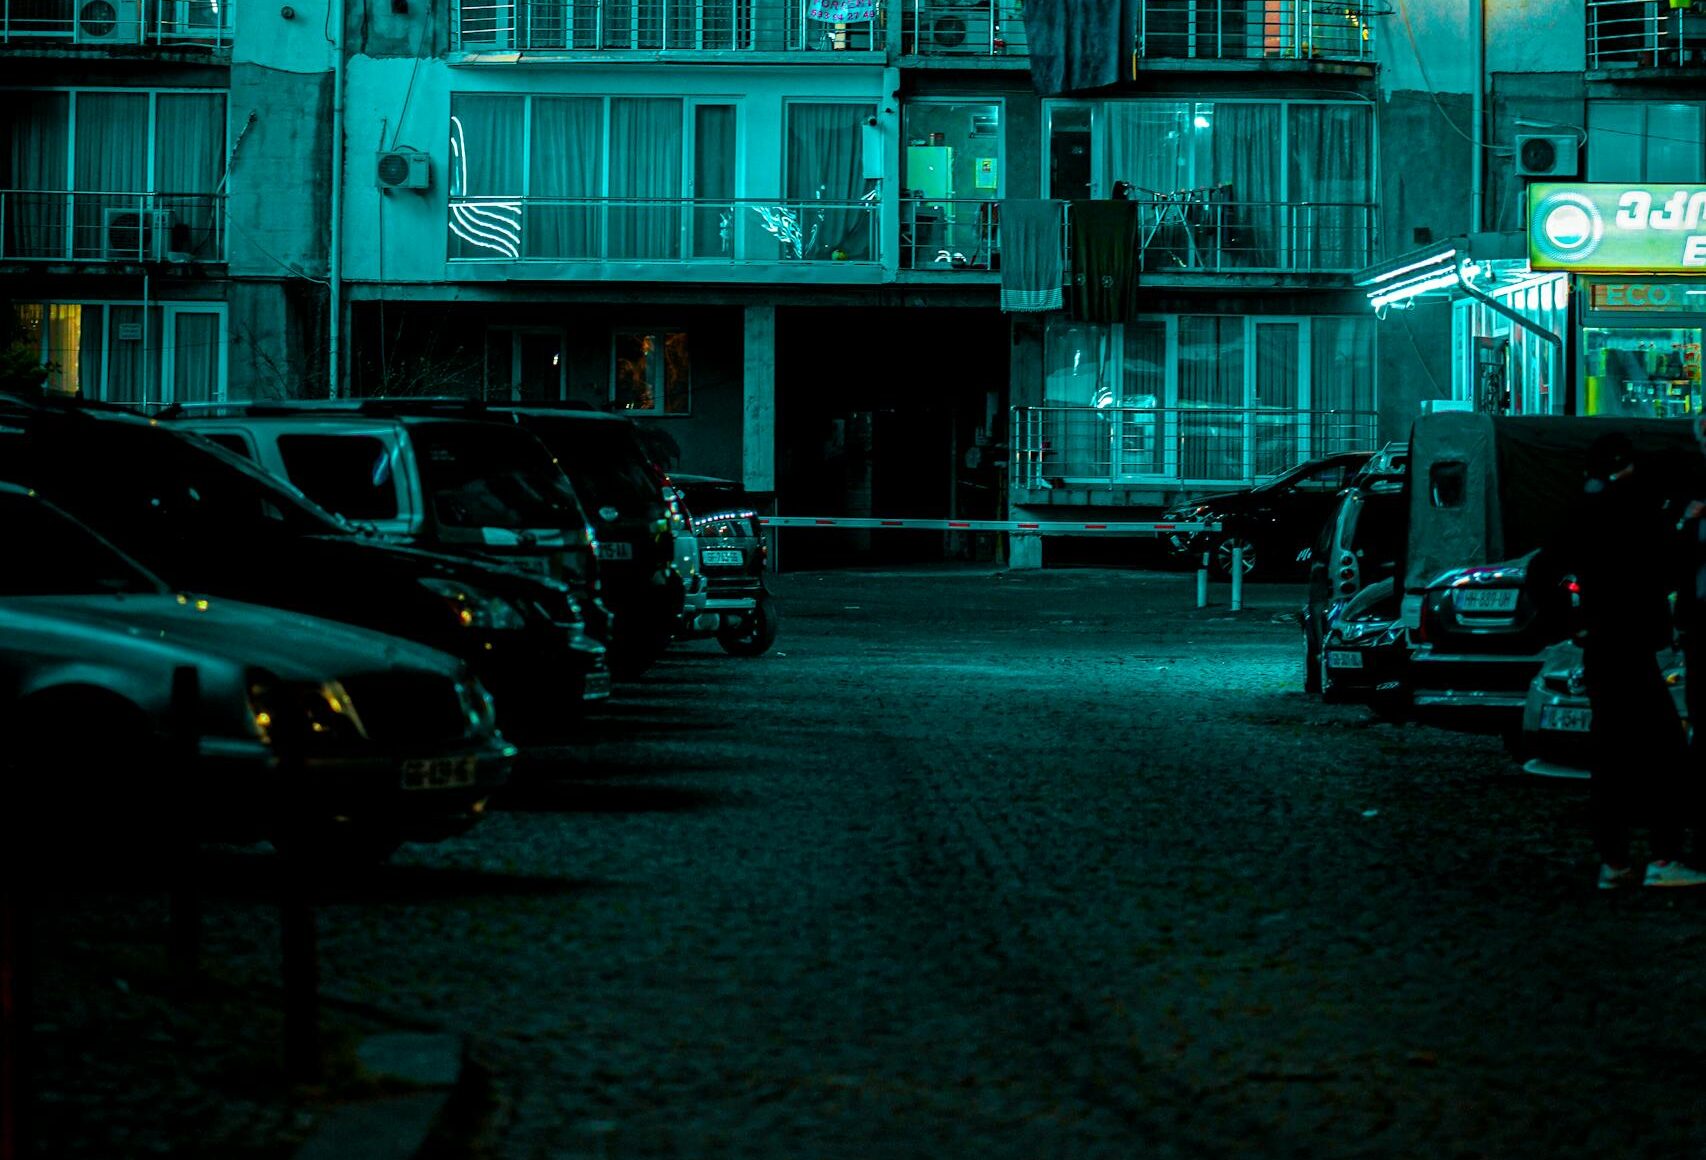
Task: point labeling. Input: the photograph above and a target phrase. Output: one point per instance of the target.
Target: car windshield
(1314, 476)
(483, 475)
(50, 554)
(603, 459)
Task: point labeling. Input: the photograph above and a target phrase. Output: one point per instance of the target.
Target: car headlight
(475, 607)
(1355, 630)
(290, 712)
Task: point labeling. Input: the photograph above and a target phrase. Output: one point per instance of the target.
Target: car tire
(1220, 558)
(756, 632)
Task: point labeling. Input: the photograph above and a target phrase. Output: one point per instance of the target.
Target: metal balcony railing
(62, 226)
(1240, 30)
(568, 229)
(653, 26)
(1631, 34)
(1066, 446)
(111, 23)
(962, 28)
(1197, 231)
(960, 234)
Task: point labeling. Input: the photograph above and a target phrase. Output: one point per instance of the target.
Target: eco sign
(1652, 229)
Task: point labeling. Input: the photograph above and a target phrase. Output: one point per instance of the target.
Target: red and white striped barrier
(1041, 527)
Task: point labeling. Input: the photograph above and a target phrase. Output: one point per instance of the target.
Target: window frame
(155, 352)
(152, 93)
(660, 394)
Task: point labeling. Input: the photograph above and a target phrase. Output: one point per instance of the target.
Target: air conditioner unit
(1547, 155)
(137, 235)
(402, 169)
(108, 21)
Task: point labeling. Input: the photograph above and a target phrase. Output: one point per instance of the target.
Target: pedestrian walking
(1620, 547)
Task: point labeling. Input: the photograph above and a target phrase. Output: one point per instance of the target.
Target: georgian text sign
(1614, 228)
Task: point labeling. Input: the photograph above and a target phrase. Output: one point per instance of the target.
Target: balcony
(1271, 30)
(1632, 39)
(192, 25)
(1197, 232)
(627, 27)
(1109, 447)
(128, 228)
(693, 237)
(959, 30)
(946, 236)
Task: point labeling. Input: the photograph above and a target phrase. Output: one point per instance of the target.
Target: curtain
(1211, 383)
(1148, 145)
(110, 173)
(823, 215)
(195, 357)
(189, 160)
(713, 181)
(1143, 385)
(1247, 174)
(1077, 382)
(645, 167)
(566, 176)
(1341, 381)
(487, 177)
(38, 127)
(127, 372)
(1278, 374)
(91, 349)
(1330, 182)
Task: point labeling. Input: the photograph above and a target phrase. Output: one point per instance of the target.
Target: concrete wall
(280, 173)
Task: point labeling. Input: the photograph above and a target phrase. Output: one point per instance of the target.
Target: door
(711, 182)
(1279, 439)
(524, 364)
(193, 361)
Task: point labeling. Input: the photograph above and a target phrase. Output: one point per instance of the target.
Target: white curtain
(37, 125)
(713, 181)
(1211, 381)
(1330, 185)
(195, 357)
(189, 159)
(1247, 170)
(1278, 381)
(826, 179)
(1149, 145)
(110, 171)
(487, 175)
(127, 372)
(566, 176)
(645, 167)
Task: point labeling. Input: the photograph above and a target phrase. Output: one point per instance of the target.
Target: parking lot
(1001, 865)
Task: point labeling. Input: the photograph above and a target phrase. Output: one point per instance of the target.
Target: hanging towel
(1033, 270)
(1104, 260)
(1075, 45)
(843, 11)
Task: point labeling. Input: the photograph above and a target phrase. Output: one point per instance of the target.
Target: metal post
(1202, 582)
(1237, 575)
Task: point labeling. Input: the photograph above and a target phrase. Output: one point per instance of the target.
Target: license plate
(615, 550)
(438, 772)
(1344, 660)
(1487, 600)
(597, 687)
(1566, 719)
(722, 556)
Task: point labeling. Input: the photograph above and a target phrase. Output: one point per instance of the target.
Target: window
(651, 374)
(1640, 141)
(828, 211)
(113, 174)
(53, 555)
(347, 474)
(115, 352)
(951, 183)
(1448, 482)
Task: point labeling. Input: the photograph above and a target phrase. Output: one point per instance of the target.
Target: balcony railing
(653, 26)
(962, 28)
(1064, 446)
(567, 229)
(1239, 30)
(111, 227)
(1632, 34)
(962, 234)
(112, 23)
(1186, 233)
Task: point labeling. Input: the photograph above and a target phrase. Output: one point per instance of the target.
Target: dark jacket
(1620, 544)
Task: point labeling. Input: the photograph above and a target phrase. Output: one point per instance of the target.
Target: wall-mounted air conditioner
(108, 21)
(137, 235)
(402, 169)
(1547, 155)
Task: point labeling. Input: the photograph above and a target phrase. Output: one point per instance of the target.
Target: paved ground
(1028, 865)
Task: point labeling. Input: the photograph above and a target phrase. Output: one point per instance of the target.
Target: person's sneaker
(1615, 877)
(1672, 873)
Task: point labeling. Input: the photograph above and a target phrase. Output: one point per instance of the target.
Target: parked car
(211, 522)
(1365, 653)
(1359, 545)
(1556, 716)
(739, 609)
(449, 482)
(1274, 522)
(128, 707)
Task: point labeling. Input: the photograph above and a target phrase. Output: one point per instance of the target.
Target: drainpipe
(1477, 172)
(335, 256)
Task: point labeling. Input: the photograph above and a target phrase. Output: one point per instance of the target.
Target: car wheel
(756, 632)
(1221, 557)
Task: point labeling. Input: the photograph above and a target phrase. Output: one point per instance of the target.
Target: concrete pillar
(758, 422)
(1025, 550)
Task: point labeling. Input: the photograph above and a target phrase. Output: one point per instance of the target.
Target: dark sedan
(1365, 653)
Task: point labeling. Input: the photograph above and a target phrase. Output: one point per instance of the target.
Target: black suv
(208, 521)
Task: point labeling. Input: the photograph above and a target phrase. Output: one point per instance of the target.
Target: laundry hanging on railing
(1079, 45)
(1033, 268)
(843, 11)
(1104, 260)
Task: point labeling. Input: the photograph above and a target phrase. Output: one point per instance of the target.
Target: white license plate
(722, 556)
(615, 550)
(1487, 600)
(438, 772)
(1565, 719)
(1344, 660)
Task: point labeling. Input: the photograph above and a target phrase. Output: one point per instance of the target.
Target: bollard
(1202, 583)
(1237, 576)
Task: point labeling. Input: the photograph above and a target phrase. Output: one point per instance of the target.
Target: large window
(603, 178)
(951, 169)
(829, 190)
(1644, 141)
(109, 174)
(650, 372)
(124, 352)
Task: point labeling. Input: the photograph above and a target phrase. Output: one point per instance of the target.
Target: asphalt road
(1032, 865)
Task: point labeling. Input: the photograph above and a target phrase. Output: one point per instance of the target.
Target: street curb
(439, 1113)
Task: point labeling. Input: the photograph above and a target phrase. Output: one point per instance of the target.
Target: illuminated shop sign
(1651, 228)
(1647, 296)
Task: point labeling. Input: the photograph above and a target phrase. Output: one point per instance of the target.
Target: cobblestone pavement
(1033, 865)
